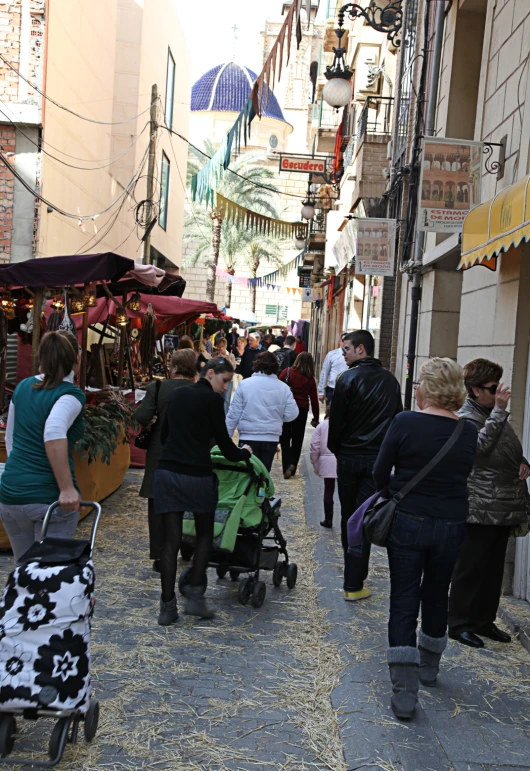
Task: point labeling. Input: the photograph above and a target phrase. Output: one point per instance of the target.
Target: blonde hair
(442, 384)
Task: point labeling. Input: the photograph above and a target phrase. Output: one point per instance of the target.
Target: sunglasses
(492, 389)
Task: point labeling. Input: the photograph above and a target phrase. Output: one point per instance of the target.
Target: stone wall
(7, 192)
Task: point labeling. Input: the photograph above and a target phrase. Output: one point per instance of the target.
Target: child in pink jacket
(325, 466)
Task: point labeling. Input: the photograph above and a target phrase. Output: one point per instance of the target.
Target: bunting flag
(207, 179)
(245, 218)
(249, 282)
(281, 273)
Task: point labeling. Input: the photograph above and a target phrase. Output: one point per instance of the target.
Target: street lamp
(300, 235)
(308, 208)
(386, 18)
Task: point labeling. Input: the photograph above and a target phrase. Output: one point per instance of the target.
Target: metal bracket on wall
(495, 167)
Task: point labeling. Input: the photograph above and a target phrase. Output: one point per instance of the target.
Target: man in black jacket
(366, 399)
(249, 354)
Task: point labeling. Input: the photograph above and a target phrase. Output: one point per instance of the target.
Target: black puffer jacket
(496, 494)
(366, 399)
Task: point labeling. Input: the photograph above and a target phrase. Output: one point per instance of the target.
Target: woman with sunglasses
(498, 502)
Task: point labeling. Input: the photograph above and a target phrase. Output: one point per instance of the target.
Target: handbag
(143, 440)
(379, 517)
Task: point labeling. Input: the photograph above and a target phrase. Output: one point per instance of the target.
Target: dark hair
(290, 340)
(219, 364)
(299, 338)
(185, 362)
(480, 371)
(266, 362)
(57, 357)
(185, 342)
(305, 365)
(361, 337)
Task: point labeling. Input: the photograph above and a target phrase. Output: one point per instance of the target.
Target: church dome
(226, 88)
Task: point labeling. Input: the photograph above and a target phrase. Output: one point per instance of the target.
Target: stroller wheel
(292, 575)
(245, 590)
(54, 746)
(258, 594)
(185, 579)
(221, 571)
(91, 720)
(278, 574)
(234, 575)
(8, 729)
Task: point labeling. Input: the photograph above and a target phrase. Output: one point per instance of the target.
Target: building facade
(84, 149)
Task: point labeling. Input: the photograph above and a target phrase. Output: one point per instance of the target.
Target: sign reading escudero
(305, 164)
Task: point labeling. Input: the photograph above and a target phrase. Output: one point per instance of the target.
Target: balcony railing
(326, 117)
(350, 152)
(375, 117)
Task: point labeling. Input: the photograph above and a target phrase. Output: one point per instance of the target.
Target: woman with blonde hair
(182, 372)
(429, 524)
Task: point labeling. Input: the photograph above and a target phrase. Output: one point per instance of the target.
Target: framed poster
(376, 245)
(449, 184)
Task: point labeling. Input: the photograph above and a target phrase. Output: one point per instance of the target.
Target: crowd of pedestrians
(449, 477)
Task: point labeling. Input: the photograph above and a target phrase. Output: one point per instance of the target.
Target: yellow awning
(495, 226)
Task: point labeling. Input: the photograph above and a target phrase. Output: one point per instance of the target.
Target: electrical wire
(62, 211)
(190, 204)
(67, 109)
(71, 165)
(241, 176)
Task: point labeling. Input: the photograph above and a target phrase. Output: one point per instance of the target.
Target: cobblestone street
(301, 683)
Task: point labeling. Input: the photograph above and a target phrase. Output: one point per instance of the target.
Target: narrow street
(301, 683)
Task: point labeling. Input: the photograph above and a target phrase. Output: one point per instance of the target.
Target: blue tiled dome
(227, 88)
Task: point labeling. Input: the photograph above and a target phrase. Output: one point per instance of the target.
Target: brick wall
(7, 194)
(387, 321)
(10, 18)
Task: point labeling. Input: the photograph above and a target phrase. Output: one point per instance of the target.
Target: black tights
(171, 546)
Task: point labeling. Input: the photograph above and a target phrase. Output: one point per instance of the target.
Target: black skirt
(180, 492)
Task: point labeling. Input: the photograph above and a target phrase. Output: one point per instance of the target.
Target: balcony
(375, 117)
(325, 124)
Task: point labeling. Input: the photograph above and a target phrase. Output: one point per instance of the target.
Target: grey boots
(168, 612)
(431, 649)
(403, 663)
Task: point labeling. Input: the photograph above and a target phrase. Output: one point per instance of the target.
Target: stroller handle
(92, 504)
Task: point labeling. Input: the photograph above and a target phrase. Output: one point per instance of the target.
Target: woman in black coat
(185, 480)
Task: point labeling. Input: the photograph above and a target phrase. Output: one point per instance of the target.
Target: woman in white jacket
(260, 407)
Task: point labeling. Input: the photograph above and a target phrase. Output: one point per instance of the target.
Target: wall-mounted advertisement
(450, 183)
(376, 245)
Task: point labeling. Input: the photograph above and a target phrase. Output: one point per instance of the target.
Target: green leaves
(106, 424)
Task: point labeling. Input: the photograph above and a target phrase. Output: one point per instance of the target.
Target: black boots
(431, 649)
(403, 663)
(328, 515)
(168, 612)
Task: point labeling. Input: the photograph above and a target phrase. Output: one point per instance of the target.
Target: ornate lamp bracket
(495, 167)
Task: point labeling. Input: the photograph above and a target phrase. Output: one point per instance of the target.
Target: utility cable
(67, 109)
(62, 211)
(71, 165)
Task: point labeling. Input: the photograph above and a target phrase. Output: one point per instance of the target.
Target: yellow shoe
(354, 596)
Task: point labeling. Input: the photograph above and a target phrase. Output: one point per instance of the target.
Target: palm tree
(251, 187)
(260, 249)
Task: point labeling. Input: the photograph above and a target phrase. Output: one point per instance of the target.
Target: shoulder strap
(157, 391)
(433, 462)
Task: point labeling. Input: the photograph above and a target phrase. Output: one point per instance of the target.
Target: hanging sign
(376, 242)
(304, 277)
(344, 247)
(450, 183)
(307, 295)
(304, 164)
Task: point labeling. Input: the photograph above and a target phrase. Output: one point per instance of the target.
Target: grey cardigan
(144, 415)
(496, 494)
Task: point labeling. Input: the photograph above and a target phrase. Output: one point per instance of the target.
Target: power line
(71, 165)
(206, 238)
(67, 109)
(62, 211)
(241, 176)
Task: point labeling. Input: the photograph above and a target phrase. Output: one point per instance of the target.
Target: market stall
(110, 302)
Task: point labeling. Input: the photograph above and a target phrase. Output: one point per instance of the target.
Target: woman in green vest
(44, 422)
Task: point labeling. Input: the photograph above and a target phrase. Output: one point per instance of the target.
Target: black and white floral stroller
(45, 617)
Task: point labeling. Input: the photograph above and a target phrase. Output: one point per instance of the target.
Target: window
(270, 310)
(164, 191)
(283, 311)
(170, 90)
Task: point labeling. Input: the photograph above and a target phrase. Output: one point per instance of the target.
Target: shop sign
(345, 246)
(307, 295)
(450, 183)
(304, 164)
(304, 278)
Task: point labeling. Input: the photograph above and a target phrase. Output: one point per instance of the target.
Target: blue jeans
(422, 553)
(356, 484)
(329, 394)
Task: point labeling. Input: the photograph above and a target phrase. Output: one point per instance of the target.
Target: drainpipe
(420, 234)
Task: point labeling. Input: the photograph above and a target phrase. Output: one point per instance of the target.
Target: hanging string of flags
(208, 178)
(267, 226)
(268, 281)
(246, 282)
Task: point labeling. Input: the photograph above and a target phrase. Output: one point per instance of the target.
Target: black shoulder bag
(143, 440)
(378, 518)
